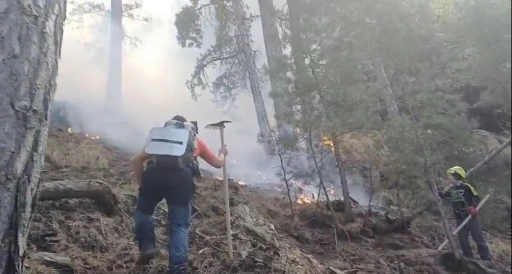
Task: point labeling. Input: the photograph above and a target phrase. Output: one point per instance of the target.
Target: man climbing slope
(171, 152)
(465, 199)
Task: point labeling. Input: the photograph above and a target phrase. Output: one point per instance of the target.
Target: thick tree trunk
(250, 65)
(115, 53)
(31, 38)
(277, 68)
(96, 190)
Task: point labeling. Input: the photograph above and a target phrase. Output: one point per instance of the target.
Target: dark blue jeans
(473, 228)
(177, 188)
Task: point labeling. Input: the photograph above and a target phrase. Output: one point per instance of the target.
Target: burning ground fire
(297, 187)
(300, 190)
(70, 131)
(302, 199)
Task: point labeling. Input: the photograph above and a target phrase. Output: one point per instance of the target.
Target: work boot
(147, 253)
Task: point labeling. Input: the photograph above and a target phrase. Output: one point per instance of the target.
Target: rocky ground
(86, 236)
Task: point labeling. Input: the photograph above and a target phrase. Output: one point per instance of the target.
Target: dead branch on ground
(96, 190)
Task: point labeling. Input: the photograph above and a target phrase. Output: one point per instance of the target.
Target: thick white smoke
(154, 76)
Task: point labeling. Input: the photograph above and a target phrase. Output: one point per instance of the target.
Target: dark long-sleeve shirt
(462, 196)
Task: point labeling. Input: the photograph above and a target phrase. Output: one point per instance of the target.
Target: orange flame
(326, 141)
(302, 199)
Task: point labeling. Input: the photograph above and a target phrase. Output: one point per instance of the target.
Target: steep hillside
(82, 236)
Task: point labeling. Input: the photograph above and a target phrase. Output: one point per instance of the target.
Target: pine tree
(232, 54)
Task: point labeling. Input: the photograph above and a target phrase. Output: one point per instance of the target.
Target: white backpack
(173, 145)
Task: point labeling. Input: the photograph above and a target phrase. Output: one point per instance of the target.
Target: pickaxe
(220, 126)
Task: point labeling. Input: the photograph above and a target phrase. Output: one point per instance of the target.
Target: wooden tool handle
(226, 200)
(465, 221)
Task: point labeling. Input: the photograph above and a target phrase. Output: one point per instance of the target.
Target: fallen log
(96, 190)
(396, 225)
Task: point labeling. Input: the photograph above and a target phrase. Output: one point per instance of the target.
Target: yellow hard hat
(457, 170)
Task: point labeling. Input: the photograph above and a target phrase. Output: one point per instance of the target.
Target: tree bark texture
(96, 190)
(252, 73)
(277, 68)
(30, 42)
(115, 53)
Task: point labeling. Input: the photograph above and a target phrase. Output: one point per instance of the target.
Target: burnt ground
(266, 238)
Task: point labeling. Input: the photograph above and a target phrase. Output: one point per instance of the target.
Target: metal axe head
(217, 125)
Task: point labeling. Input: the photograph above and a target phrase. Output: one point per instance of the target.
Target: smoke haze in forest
(153, 87)
(154, 76)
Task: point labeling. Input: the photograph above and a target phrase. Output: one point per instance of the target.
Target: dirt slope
(266, 238)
